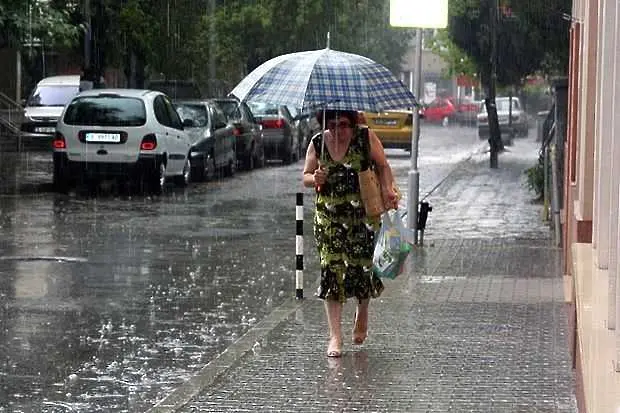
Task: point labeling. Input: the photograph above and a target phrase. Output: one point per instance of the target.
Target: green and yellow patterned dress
(345, 237)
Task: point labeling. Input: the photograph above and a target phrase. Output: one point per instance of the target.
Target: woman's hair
(331, 114)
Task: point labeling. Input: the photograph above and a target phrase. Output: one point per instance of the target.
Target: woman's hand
(390, 198)
(320, 176)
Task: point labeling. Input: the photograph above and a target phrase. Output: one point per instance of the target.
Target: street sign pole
(413, 187)
(419, 14)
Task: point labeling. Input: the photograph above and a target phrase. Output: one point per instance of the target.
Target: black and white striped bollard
(299, 247)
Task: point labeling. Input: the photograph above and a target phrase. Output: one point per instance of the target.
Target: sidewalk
(477, 324)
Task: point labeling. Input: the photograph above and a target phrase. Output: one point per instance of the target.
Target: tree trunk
(495, 134)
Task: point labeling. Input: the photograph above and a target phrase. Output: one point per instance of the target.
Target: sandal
(334, 349)
(359, 336)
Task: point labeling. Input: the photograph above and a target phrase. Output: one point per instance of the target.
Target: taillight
(59, 141)
(149, 142)
(237, 131)
(272, 123)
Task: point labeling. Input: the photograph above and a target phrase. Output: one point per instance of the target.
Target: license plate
(103, 137)
(386, 122)
(48, 129)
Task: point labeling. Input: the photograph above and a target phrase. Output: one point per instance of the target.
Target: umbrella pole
(323, 138)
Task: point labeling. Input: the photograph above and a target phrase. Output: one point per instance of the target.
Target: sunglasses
(341, 125)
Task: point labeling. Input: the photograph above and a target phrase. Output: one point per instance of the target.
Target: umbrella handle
(322, 157)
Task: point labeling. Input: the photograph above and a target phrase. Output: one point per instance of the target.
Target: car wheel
(157, 181)
(259, 161)
(185, 177)
(250, 160)
(231, 168)
(204, 169)
(60, 180)
(289, 154)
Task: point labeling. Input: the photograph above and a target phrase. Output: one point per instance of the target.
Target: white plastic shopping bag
(391, 248)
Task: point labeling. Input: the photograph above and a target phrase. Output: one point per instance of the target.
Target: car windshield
(503, 105)
(52, 95)
(264, 109)
(106, 111)
(230, 109)
(195, 112)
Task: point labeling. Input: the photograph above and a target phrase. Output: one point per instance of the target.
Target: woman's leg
(360, 329)
(333, 310)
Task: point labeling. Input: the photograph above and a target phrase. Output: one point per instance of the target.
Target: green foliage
(533, 38)
(250, 33)
(535, 177)
(459, 63)
(36, 21)
(209, 39)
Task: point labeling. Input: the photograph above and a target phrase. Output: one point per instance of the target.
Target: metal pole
(299, 247)
(414, 174)
(555, 197)
(18, 80)
(546, 185)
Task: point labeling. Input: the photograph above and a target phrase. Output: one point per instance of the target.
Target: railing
(552, 152)
(11, 114)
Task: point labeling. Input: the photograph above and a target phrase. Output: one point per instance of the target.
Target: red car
(447, 110)
(441, 110)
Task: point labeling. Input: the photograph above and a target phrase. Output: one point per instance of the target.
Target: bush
(535, 177)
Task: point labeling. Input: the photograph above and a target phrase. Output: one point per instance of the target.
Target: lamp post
(419, 14)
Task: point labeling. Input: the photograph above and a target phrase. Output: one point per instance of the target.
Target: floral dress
(345, 237)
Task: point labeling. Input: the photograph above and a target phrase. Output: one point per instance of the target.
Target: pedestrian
(344, 234)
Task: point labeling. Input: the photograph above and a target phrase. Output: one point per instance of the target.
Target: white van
(44, 106)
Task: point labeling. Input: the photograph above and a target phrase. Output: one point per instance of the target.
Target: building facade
(590, 230)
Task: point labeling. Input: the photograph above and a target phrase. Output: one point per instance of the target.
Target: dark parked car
(248, 132)
(280, 137)
(212, 137)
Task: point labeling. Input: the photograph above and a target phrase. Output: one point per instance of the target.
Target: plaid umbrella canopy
(325, 78)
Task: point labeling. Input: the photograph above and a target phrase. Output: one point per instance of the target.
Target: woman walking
(344, 234)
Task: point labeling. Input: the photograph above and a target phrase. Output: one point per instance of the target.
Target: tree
(459, 63)
(250, 33)
(23, 23)
(508, 41)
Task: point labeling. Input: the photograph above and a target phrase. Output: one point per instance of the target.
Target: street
(108, 302)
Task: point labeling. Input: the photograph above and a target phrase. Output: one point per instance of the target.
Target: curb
(225, 361)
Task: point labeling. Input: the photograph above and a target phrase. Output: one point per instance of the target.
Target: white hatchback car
(121, 134)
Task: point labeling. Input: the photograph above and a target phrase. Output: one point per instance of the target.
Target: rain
(116, 289)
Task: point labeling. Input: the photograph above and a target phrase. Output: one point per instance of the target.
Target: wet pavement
(477, 323)
(110, 302)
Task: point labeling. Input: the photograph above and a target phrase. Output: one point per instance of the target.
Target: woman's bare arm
(310, 166)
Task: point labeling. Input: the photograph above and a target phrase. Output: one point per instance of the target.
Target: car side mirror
(188, 123)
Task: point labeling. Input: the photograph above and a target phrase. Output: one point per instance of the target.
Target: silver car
(44, 106)
(123, 134)
(280, 137)
(518, 127)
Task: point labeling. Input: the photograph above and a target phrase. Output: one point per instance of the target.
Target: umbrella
(325, 78)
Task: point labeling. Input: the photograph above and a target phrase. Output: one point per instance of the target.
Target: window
(52, 95)
(195, 112)
(161, 112)
(175, 120)
(230, 109)
(219, 119)
(106, 111)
